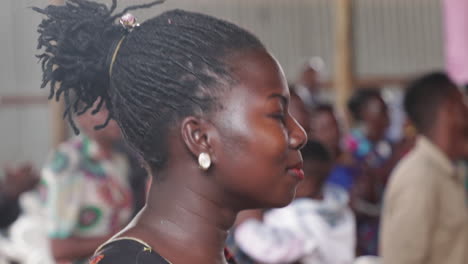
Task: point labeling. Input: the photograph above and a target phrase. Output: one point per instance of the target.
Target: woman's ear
(198, 136)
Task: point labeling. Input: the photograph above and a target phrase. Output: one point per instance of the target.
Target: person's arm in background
(409, 217)
(17, 181)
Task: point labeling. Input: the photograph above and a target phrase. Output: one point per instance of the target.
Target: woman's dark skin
(253, 143)
(298, 111)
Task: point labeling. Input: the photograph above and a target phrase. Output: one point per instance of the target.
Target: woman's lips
(298, 173)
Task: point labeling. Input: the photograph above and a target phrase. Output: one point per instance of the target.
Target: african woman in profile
(204, 105)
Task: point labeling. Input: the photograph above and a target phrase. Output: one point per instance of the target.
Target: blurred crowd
(366, 197)
(370, 198)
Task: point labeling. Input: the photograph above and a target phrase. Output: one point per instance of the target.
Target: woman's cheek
(275, 139)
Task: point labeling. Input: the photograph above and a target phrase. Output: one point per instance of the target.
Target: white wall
(23, 130)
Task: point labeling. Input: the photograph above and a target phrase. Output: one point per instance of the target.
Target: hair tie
(128, 22)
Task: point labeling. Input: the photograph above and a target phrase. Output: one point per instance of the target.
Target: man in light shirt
(425, 219)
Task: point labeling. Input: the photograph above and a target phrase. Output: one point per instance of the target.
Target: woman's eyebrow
(283, 99)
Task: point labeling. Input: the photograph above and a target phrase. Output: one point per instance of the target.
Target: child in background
(317, 227)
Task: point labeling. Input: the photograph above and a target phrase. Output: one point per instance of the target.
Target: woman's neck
(183, 224)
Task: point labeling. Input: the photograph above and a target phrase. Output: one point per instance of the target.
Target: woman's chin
(284, 201)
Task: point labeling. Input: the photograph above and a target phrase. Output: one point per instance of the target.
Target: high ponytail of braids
(172, 66)
(78, 38)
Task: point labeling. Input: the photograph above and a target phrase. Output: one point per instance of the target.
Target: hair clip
(128, 21)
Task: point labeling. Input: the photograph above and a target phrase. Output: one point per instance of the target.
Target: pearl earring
(204, 160)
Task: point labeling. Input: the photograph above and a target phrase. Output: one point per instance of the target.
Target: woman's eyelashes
(280, 116)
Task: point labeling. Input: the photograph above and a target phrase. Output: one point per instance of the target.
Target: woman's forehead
(259, 72)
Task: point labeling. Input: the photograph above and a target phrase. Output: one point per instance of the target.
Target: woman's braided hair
(171, 66)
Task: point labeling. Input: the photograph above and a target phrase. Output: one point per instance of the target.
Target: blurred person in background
(317, 227)
(425, 218)
(88, 194)
(408, 139)
(307, 86)
(15, 182)
(299, 110)
(367, 140)
(325, 129)
(374, 157)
